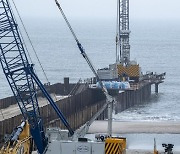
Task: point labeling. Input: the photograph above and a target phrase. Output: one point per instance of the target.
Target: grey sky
(154, 9)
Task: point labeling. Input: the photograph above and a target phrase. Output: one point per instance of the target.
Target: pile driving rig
(123, 66)
(23, 81)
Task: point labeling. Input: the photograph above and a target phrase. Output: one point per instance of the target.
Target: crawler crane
(22, 79)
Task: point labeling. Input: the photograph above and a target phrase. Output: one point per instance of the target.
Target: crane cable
(118, 45)
(30, 43)
(76, 39)
(47, 80)
(119, 24)
(110, 98)
(64, 16)
(117, 35)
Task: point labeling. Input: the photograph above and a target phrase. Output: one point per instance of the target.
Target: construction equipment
(155, 148)
(83, 145)
(22, 78)
(20, 141)
(123, 32)
(124, 65)
(168, 148)
(109, 98)
(115, 145)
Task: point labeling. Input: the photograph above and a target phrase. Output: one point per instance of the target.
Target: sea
(155, 45)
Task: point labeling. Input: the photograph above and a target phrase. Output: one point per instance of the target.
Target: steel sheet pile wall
(57, 88)
(7, 125)
(6, 102)
(129, 98)
(79, 108)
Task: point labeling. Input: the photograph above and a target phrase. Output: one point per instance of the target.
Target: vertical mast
(123, 32)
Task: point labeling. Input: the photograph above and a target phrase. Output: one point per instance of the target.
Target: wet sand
(125, 127)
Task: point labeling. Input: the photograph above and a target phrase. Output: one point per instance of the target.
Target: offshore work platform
(122, 69)
(125, 69)
(79, 107)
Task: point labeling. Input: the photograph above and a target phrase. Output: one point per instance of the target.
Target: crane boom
(109, 99)
(21, 77)
(123, 32)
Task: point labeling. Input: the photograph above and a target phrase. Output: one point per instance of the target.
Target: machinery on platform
(19, 142)
(23, 81)
(124, 67)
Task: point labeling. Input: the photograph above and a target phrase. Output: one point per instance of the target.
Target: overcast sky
(154, 9)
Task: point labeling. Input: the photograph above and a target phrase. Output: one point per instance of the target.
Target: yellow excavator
(19, 142)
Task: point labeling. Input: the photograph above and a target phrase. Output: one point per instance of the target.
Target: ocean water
(155, 45)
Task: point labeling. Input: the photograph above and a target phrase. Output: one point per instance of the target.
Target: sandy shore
(124, 127)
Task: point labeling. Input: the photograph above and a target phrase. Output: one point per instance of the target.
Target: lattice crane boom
(123, 32)
(21, 77)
